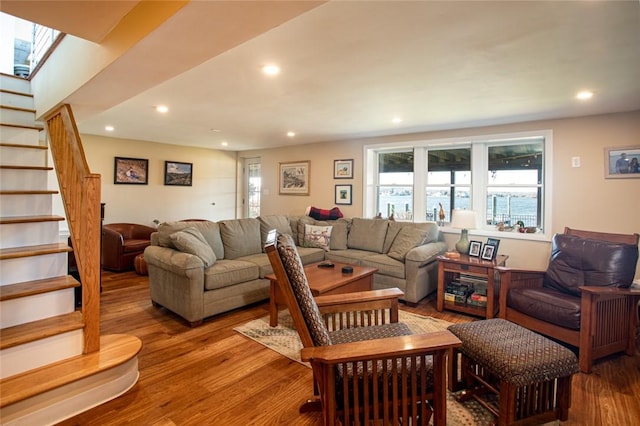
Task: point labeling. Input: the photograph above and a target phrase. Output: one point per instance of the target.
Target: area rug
(284, 340)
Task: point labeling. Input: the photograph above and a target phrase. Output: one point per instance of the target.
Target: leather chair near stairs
(364, 368)
(583, 298)
(122, 242)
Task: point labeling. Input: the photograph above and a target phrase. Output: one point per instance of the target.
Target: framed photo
(622, 163)
(343, 169)
(474, 248)
(343, 194)
(494, 242)
(131, 171)
(293, 178)
(178, 174)
(488, 252)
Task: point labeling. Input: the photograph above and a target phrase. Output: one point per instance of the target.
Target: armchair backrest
(585, 258)
(292, 281)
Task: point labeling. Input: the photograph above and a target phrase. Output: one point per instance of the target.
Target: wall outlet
(575, 161)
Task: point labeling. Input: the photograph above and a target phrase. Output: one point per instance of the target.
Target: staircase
(53, 361)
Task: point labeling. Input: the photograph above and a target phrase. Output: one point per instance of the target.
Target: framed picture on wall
(130, 171)
(343, 169)
(178, 174)
(622, 163)
(293, 178)
(343, 194)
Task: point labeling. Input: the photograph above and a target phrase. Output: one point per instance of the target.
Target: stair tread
(30, 288)
(9, 167)
(40, 329)
(115, 349)
(22, 126)
(14, 92)
(15, 108)
(30, 219)
(23, 145)
(36, 192)
(37, 250)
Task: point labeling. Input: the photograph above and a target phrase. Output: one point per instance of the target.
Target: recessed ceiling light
(109, 128)
(271, 69)
(224, 143)
(291, 134)
(396, 120)
(162, 108)
(584, 95)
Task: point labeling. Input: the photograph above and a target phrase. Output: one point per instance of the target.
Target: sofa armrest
(172, 260)
(426, 253)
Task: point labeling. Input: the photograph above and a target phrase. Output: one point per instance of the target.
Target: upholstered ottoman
(530, 374)
(140, 265)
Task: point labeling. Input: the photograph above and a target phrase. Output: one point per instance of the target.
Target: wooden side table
(450, 270)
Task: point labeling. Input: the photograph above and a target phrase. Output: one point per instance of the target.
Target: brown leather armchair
(583, 298)
(122, 242)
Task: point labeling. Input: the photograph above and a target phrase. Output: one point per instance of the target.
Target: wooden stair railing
(80, 191)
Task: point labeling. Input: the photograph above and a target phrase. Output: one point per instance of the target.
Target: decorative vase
(462, 246)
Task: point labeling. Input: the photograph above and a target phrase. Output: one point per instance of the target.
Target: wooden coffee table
(323, 281)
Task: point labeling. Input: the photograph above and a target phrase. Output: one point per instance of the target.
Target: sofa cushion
(392, 232)
(278, 222)
(408, 238)
(577, 262)
(367, 234)
(339, 234)
(298, 236)
(352, 256)
(190, 240)
(225, 273)
(317, 236)
(165, 229)
(385, 265)
(240, 237)
(211, 233)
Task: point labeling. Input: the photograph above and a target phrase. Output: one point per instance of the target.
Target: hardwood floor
(211, 375)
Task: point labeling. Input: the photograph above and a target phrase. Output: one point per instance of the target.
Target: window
(448, 181)
(514, 184)
(253, 181)
(501, 177)
(395, 185)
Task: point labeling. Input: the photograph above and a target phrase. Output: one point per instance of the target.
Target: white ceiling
(349, 67)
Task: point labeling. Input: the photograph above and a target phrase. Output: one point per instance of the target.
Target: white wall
(214, 181)
(581, 197)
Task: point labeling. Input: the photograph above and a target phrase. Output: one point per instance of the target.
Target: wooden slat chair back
(607, 313)
(396, 380)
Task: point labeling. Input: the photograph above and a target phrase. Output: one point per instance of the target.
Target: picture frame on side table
(343, 169)
(488, 252)
(130, 171)
(344, 194)
(293, 178)
(178, 174)
(622, 162)
(494, 242)
(475, 248)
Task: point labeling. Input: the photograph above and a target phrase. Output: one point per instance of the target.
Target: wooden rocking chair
(367, 367)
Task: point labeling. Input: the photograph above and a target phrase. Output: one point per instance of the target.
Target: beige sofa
(199, 268)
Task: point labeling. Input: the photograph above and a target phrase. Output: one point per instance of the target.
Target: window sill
(539, 236)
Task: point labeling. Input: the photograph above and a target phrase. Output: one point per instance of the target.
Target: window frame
(479, 171)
